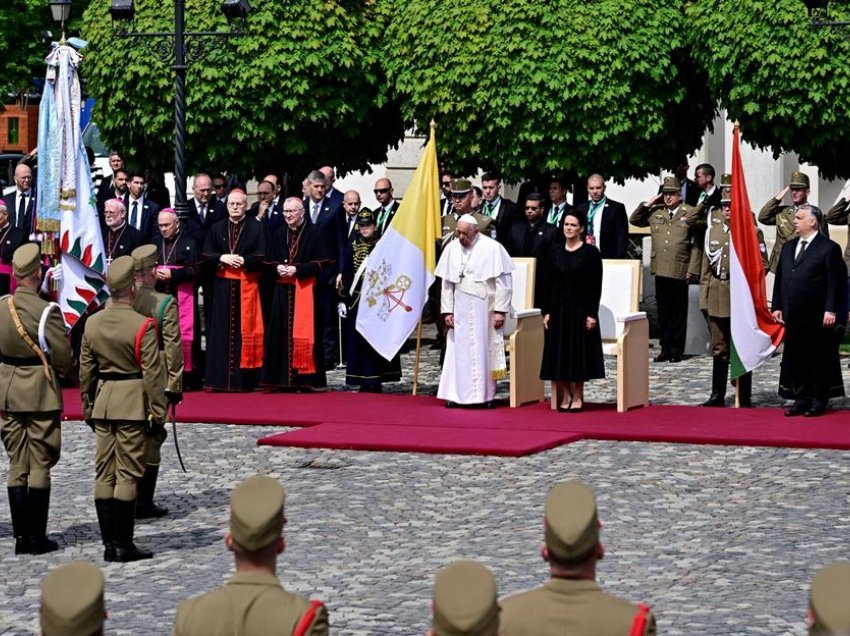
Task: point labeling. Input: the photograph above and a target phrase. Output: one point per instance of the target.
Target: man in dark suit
(533, 238)
(204, 211)
(709, 194)
(387, 205)
(106, 189)
(332, 230)
(332, 193)
(265, 210)
(607, 221)
(503, 211)
(351, 206)
(810, 299)
(141, 212)
(446, 178)
(21, 203)
(559, 207)
(119, 238)
(690, 191)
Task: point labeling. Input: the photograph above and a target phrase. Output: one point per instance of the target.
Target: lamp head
(122, 10)
(61, 10)
(235, 9)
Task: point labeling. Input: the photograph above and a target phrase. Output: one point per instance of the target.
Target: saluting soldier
(123, 397)
(72, 601)
(35, 354)
(465, 601)
(253, 600)
(715, 297)
(829, 611)
(163, 309)
(782, 216)
(571, 602)
(674, 263)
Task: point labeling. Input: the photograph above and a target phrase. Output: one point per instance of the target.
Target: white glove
(342, 310)
(55, 272)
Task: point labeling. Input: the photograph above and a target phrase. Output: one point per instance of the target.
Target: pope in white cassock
(476, 295)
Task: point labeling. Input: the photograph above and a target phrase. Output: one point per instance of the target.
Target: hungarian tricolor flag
(755, 335)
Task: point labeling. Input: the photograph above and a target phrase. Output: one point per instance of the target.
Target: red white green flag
(755, 335)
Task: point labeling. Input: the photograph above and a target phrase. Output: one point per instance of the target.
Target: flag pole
(416, 359)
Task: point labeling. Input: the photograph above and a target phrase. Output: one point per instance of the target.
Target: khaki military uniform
(250, 603)
(839, 214)
(782, 216)
(163, 309)
(486, 225)
(31, 403)
(121, 385)
(572, 606)
(673, 258)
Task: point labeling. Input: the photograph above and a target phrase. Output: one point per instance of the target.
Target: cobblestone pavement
(719, 540)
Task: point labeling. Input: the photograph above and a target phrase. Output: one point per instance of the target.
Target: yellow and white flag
(400, 269)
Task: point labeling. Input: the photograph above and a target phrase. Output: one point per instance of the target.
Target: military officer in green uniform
(829, 611)
(782, 216)
(715, 298)
(162, 308)
(675, 261)
(571, 602)
(123, 397)
(253, 600)
(35, 354)
(465, 601)
(72, 601)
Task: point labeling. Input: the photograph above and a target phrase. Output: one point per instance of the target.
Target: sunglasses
(381, 190)
(532, 207)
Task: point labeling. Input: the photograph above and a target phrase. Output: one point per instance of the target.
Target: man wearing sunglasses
(387, 205)
(533, 238)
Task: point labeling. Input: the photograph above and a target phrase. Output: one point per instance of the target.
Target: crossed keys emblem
(389, 294)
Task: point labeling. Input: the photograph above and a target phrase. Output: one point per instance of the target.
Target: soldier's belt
(723, 276)
(117, 377)
(31, 361)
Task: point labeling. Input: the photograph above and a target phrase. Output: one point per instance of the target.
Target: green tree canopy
(529, 86)
(22, 49)
(304, 87)
(786, 82)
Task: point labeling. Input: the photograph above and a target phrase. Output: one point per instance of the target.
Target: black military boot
(18, 509)
(145, 506)
(106, 520)
(125, 522)
(719, 370)
(745, 390)
(39, 510)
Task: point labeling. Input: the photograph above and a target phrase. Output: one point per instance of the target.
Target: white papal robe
(476, 283)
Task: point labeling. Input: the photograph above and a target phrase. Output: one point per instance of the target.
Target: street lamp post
(180, 47)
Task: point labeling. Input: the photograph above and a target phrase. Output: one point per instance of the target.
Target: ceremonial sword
(174, 432)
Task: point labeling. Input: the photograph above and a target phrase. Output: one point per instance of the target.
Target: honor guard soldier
(162, 308)
(782, 216)
(465, 601)
(675, 261)
(253, 601)
(571, 602)
(72, 601)
(123, 399)
(829, 611)
(715, 297)
(35, 354)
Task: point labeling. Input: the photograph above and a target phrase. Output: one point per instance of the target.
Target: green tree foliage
(527, 86)
(786, 82)
(304, 87)
(22, 49)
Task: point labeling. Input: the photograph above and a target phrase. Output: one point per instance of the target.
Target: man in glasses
(219, 184)
(533, 238)
(21, 202)
(332, 193)
(263, 209)
(387, 206)
(445, 192)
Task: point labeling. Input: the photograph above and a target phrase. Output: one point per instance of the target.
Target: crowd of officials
(232, 297)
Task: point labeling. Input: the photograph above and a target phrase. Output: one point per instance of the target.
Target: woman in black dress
(572, 352)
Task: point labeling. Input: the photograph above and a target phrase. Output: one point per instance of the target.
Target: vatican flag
(399, 271)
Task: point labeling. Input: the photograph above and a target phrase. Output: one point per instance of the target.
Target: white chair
(524, 337)
(625, 332)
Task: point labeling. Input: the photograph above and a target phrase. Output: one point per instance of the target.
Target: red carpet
(421, 424)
